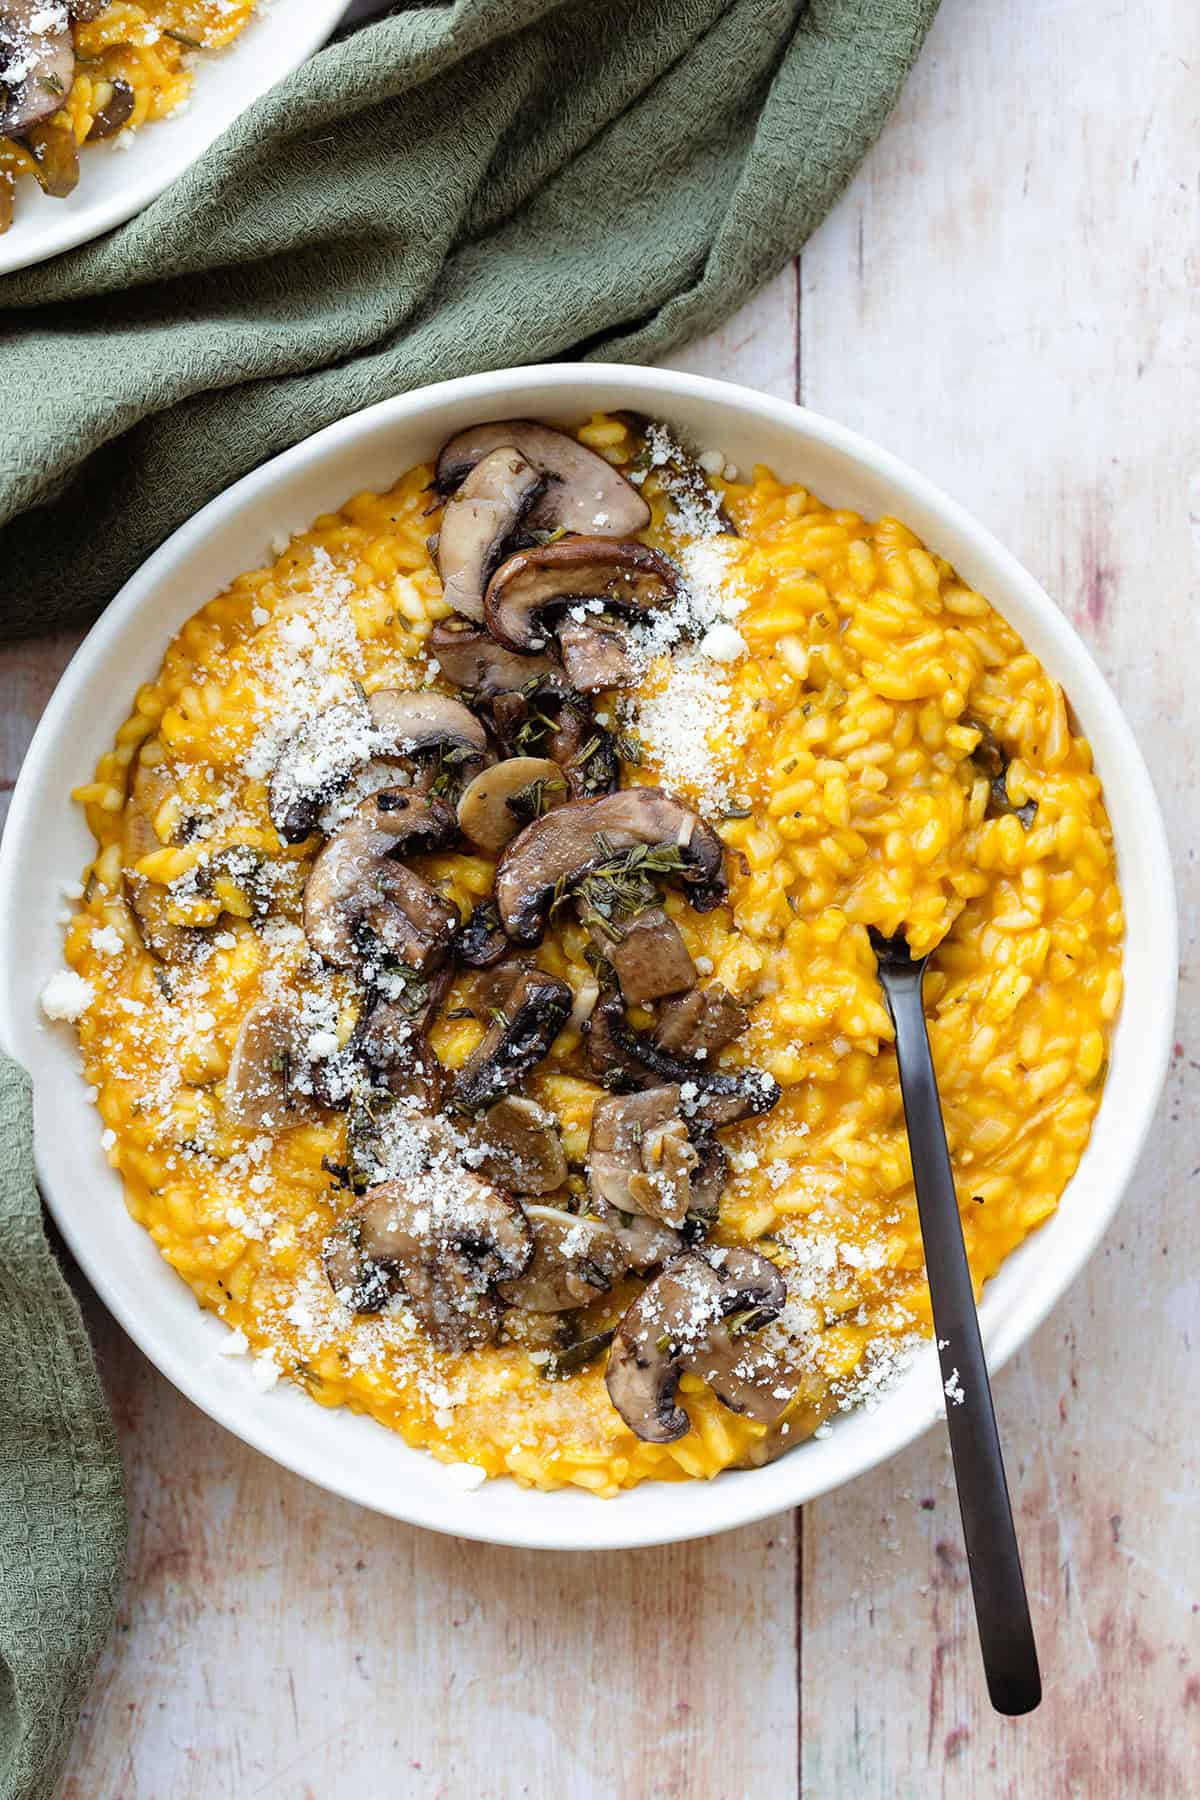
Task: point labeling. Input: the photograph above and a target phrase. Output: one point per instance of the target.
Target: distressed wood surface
(1007, 296)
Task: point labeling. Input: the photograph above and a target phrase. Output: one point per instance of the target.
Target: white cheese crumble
(108, 940)
(67, 995)
(265, 1372)
(234, 1343)
(464, 1475)
(723, 643)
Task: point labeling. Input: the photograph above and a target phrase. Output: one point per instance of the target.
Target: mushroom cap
(471, 658)
(356, 882)
(677, 1323)
(478, 521)
(420, 721)
(639, 1156)
(528, 1020)
(258, 1090)
(583, 491)
(575, 1259)
(482, 941)
(520, 1146)
(555, 853)
(445, 1243)
(37, 64)
(714, 1096)
(625, 577)
(490, 809)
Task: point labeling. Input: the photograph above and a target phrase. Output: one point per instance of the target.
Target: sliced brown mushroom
(991, 759)
(640, 1158)
(629, 1058)
(575, 1260)
(433, 734)
(477, 523)
(645, 1244)
(482, 941)
(700, 1023)
(113, 107)
(678, 1323)
(542, 721)
(517, 1144)
(37, 64)
(445, 1240)
(530, 591)
(391, 1040)
(551, 857)
(524, 1026)
(502, 800)
(260, 1094)
(357, 895)
(649, 957)
(471, 658)
(583, 492)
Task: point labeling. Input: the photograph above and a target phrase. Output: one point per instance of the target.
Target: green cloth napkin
(62, 1508)
(455, 188)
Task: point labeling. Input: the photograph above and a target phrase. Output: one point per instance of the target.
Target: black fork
(1001, 1609)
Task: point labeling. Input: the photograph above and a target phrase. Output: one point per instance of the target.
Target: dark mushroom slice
(701, 1023)
(992, 759)
(37, 64)
(391, 1040)
(679, 1323)
(517, 1145)
(259, 1091)
(640, 1158)
(530, 591)
(551, 857)
(523, 1027)
(482, 941)
(445, 1242)
(358, 897)
(478, 521)
(707, 1180)
(575, 1260)
(649, 957)
(471, 658)
(113, 103)
(623, 1057)
(55, 158)
(502, 800)
(583, 491)
(542, 721)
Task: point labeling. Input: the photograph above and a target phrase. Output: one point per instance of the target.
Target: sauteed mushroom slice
(259, 1091)
(477, 522)
(525, 1025)
(575, 1260)
(583, 492)
(517, 1144)
(392, 1040)
(640, 1158)
(992, 759)
(471, 658)
(445, 1240)
(502, 800)
(629, 1058)
(649, 957)
(113, 101)
(37, 64)
(551, 857)
(482, 941)
(540, 720)
(645, 1244)
(700, 1023)
(356, 890)
(678, 1323)
(594, 578)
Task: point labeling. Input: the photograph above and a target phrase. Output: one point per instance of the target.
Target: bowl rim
(553, 1520)
(277, 45)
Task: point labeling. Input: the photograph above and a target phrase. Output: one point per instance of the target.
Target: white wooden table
(1007, 296)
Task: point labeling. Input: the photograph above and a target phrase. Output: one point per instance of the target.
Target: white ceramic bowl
(116, 183)
(47, 842)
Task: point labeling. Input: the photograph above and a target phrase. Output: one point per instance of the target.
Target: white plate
(47, 842)
(116, 183)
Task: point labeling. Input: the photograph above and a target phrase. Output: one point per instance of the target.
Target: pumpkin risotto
(75, 71)
(474, 978)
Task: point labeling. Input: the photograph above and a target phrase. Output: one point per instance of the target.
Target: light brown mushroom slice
(502, 800)
(259, 1095)
(356, 882)
(640, 1158)
(623, 577)
(583, 493)
(36, 40)
(520, 1145)
(700, 1023)
(575, 1260)
(471, 658)
(478, 521)
(649, 956)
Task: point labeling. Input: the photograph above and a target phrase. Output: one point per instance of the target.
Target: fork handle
(1001, 1608)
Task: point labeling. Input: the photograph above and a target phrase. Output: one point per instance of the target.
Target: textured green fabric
(454, 188)
(62, 1509)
